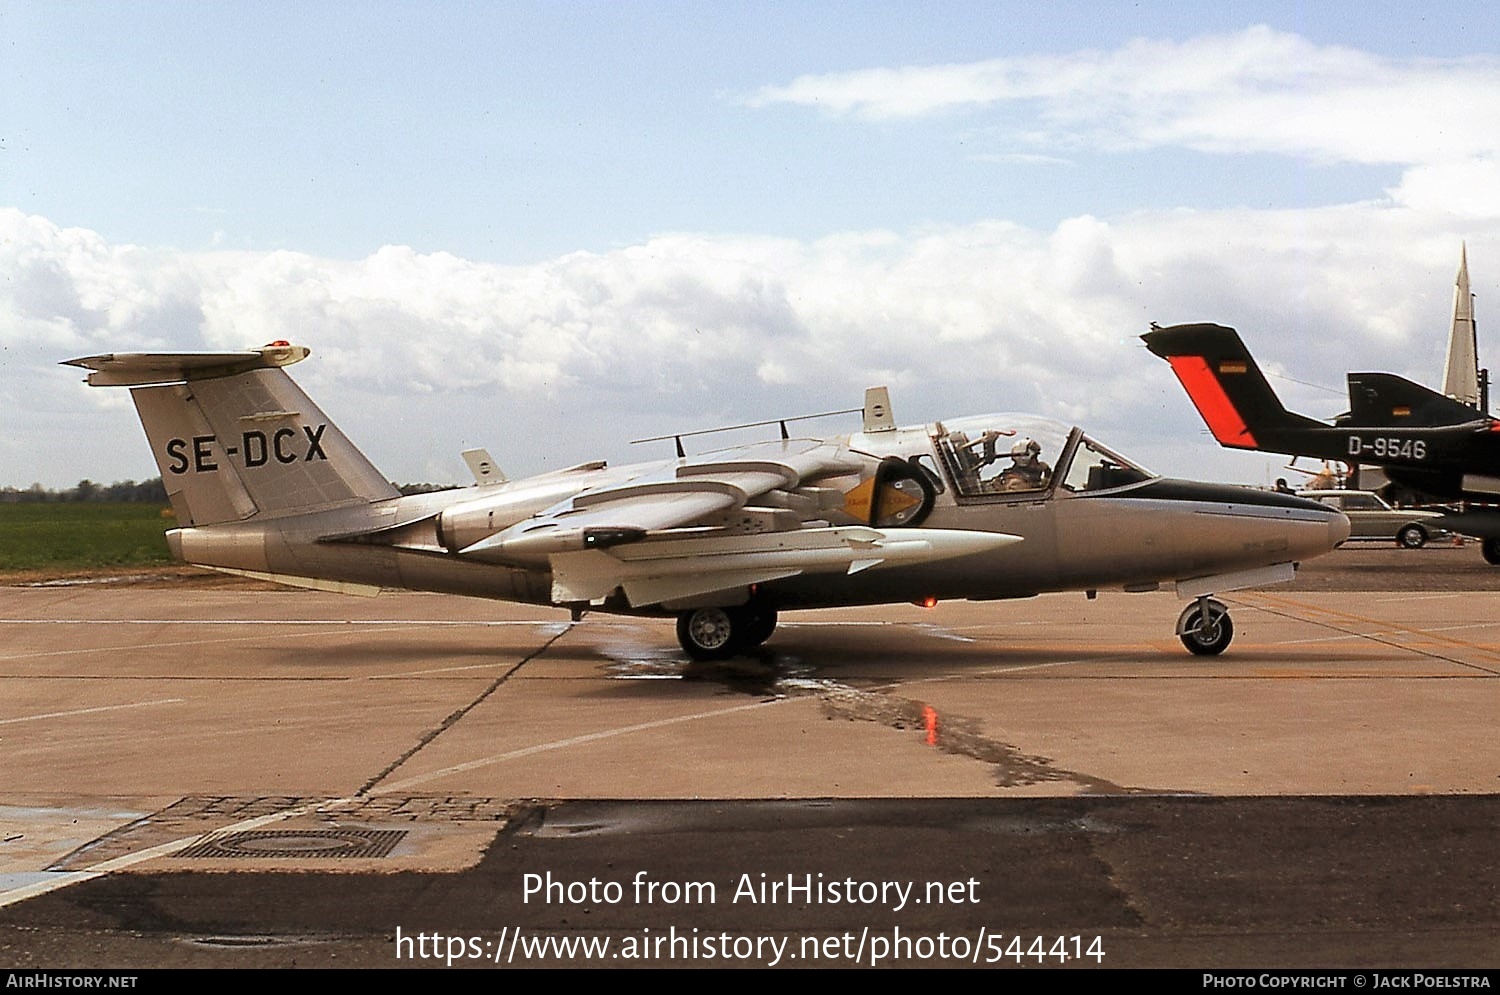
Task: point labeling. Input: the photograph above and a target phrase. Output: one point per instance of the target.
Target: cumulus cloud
(567, 359)
(422, 354)
(1256, 90)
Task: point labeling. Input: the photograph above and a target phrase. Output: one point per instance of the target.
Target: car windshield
(1023, 455)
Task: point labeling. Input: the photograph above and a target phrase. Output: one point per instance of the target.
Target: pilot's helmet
(1025, 451)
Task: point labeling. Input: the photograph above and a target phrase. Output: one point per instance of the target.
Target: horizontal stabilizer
(134, 369)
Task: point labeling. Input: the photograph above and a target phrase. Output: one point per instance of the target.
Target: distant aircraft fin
(1461, 365)
(1226, 385)
(1384, 399)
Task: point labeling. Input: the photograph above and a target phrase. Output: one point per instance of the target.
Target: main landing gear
(1204, 627)
(720, 633)
(1491, 550)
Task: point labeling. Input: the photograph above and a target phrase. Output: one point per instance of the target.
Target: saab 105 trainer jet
(998, 506)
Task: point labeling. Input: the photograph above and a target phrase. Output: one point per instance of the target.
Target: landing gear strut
(1204, 627)
(720, 633)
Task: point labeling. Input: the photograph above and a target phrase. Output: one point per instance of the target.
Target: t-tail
(235, 438)
(1226, 386)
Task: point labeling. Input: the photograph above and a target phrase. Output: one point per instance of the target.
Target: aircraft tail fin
(235, 437)
(1225, 384)
(1461, 365)
(1385, 399)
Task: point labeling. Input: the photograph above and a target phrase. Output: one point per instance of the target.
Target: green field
(78, 535)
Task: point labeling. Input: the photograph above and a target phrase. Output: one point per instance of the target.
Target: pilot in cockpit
(1027, 472)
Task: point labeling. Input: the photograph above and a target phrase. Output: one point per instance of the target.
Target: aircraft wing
(671, 570)
(693, 494)
(744, 516)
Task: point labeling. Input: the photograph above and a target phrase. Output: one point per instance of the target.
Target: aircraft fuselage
(998, 506)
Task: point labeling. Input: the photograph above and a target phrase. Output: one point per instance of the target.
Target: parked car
(1371, 517)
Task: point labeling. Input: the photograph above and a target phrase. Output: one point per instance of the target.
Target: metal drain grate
(305, 843)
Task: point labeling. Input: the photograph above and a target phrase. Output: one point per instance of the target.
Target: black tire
(1210, 639)
(1491, 550)
(711, 633)
(759, 625)
(1412, 536)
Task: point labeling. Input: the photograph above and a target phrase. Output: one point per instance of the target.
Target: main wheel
(1412, 536)
(759, 625)
(1205, 637)
(1491, 550)
(711, 633)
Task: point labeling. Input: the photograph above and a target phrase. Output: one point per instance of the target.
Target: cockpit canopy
(998, 456)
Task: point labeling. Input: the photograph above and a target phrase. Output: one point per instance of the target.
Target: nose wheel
(1205, 628)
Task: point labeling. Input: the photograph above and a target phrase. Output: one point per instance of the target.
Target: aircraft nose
(1337, 523)
(1338, 529)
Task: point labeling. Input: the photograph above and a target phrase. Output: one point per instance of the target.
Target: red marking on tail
(1208, 396)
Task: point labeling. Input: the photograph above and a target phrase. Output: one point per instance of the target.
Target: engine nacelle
(465, 524)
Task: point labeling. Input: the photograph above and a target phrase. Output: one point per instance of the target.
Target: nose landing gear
(1205, 628)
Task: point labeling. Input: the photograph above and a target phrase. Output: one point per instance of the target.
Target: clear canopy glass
(1016, 455)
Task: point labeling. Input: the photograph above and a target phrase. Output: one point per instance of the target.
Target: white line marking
(563, 744)
(66, 878)
(1425, 597)
(258, 637)
(91, 711)
(400, 674)
(424, 622)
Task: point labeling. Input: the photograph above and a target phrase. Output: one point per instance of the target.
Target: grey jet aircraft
(998, 506)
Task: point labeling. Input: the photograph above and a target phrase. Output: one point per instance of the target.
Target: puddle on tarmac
(253, 940)
(761, 675)
(780, 675)
(958, 735)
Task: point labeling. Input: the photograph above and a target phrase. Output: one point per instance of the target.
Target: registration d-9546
(1388, 447)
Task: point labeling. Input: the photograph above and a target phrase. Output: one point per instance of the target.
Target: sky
(549, 229)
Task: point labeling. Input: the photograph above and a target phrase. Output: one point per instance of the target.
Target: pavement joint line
(455, 717)
(1392, 633)
(405, 674)
(1285, 611)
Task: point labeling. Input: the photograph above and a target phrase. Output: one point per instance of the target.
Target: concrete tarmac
(225, 776)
